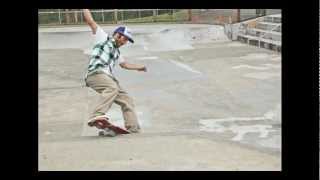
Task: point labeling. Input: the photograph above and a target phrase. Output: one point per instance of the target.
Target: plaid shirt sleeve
(100, 35)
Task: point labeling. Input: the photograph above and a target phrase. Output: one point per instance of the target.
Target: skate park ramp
(205, 103)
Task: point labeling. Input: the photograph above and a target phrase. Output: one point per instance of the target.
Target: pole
(76, 17)
(238, 15)
(116, 16)
(67, 16)
(102, 15)
(171, 13)
(154, 15)
(122, 16)
(59, 17)
(81, 17)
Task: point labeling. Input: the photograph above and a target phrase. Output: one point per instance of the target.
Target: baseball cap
(125, 32)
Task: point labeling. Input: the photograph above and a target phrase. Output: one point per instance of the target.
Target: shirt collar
(113, 41)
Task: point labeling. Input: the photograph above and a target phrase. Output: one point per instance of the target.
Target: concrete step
(269, 23)
(269, 26)
(276, 18)
(265, 31)
(266, 36)
(273, 35)
(255, 38)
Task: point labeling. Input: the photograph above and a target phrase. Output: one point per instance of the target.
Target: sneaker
(133, 129)
(92, 121)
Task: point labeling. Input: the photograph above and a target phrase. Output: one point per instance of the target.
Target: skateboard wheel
(101, 133)
(107, 132)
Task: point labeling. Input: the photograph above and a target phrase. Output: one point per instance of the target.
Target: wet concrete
(206, 103)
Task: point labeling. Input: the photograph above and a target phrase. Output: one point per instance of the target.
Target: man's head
(122, 35)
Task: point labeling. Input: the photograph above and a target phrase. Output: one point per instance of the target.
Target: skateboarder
(100, 74)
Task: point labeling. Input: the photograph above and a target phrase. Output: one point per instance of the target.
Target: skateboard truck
(107, 132)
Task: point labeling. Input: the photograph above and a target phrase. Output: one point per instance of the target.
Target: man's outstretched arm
(89, 20)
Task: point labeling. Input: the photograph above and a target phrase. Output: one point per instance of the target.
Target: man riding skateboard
(100, 75)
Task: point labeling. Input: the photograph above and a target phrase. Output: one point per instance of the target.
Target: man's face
(120, 39)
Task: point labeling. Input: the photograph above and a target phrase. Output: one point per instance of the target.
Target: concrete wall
(247, 14)
(273, 11)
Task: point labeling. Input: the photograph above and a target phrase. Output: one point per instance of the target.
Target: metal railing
(112, 16)
(115, 16)
(269, 35)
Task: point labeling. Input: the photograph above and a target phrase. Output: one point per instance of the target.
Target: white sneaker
(134, 129)
(90, 122)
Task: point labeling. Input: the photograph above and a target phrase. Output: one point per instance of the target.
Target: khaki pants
(111, 91)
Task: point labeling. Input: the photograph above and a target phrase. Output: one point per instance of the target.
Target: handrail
(272, 30)
(99, 11)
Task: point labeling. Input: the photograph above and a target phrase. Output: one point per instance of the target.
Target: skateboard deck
(107, 128)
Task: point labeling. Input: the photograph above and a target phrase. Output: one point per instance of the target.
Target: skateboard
(107, 129)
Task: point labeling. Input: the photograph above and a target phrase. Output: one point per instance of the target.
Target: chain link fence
(118, 16)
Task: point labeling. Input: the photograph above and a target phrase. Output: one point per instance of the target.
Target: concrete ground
(206, 103)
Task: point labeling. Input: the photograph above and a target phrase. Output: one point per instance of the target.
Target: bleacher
(263, 32)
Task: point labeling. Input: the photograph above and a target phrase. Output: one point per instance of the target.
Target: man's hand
(137, 67)
(143, 68)
(88, 18)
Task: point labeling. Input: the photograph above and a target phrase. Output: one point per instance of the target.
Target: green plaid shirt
(104, 57)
